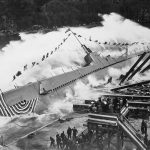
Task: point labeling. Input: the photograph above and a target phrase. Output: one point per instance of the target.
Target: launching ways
(138, 66)
(131, 85)
(131, 97)
(137, 91)
(107, 126)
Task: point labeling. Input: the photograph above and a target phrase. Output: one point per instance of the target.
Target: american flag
(20, 108)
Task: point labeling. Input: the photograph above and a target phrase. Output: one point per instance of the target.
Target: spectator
(62, 138)
(99, 108)
(58, 140)
(143, 126)
(90, 134)
(62, 135)
(111, 108)
(52, 142)
(94, 108)
(121, 102)
(75, 131)
(66, 143)
(105, 106)
(61, 143)
(83, 137)
(69, 132)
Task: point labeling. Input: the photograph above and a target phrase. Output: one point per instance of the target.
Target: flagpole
(79, 41)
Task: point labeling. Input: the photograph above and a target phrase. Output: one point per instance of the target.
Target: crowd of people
(108, 105)
(71, 140)
(63, 141)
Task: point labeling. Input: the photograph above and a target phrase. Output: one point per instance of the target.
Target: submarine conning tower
(90, 56)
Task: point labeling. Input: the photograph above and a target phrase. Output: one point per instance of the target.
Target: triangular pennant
(25, 67)
(33, 63)
(47, 55)
(43, 57)
(18, 73)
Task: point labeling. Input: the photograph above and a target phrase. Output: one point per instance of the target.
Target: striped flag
(20, 108)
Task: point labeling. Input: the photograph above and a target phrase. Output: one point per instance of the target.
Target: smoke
(61, 107)
(125, 29)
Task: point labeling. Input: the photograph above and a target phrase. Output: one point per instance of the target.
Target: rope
(43, 58)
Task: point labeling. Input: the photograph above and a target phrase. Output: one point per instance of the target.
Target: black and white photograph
(74, 74)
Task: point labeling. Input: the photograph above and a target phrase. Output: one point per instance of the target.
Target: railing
(127, 121)
(137, 140)
(133, 131)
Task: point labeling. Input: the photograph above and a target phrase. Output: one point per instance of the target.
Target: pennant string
(25, 67)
